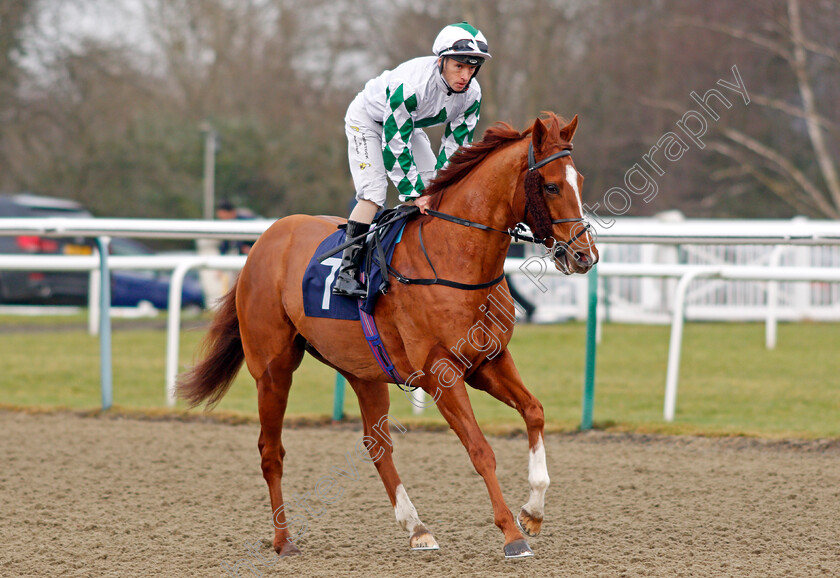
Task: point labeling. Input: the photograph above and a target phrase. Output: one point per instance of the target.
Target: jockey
(385, 138)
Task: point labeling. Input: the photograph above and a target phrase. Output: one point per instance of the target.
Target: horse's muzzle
(585, 261)
(570, 262)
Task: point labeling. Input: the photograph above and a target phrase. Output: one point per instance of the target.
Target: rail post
(591, 330)
(105, 368)
(675, 345)
(338, 398)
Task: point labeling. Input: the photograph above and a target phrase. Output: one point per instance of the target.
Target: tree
(15, 16)
(812, 184)
(117, 126)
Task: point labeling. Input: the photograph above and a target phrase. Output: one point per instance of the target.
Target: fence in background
(650, 299)
(798, 241)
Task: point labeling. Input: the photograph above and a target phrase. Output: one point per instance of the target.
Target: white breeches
(364, 150)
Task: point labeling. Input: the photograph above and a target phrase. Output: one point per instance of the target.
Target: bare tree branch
(787, 167)
(821, 49)
(800, 67)
(757, 39)
(662, 104)
(781, 189)
(793, 111)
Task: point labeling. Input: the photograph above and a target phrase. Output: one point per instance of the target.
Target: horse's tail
(213, 376)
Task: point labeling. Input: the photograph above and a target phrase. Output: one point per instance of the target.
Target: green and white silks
(398, 104)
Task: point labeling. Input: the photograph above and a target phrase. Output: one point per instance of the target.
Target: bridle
(518, 231)
(558, 246)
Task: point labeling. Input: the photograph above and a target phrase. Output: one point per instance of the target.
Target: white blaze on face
(404, 511)
(538, 479)
(572, 179)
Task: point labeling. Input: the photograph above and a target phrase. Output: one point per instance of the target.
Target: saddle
(380, 243)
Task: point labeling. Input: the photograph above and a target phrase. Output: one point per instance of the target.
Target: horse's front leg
(500, 378)
(454, 404)
(374, 402)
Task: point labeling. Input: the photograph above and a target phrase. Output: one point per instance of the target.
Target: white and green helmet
(462, 42)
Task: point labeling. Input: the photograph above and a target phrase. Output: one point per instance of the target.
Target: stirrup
(348, 286)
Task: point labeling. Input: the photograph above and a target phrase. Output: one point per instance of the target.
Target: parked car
(128, 288)
(55, 287)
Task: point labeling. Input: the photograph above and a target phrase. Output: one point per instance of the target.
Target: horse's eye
(551, 188)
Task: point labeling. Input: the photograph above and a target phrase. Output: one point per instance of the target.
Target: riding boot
(347, 284)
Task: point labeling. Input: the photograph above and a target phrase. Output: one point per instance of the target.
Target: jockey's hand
(423, 203)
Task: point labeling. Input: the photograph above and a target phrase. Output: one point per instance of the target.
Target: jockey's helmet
(462, 42)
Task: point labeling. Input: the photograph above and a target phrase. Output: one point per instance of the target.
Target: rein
(533, 181)
(437, 280)
(517, 232)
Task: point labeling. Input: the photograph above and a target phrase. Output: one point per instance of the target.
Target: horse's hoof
(422, 539)
(528, 524)
(286, 548)
(518, 549)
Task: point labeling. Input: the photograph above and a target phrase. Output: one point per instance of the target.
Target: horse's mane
(468, 157)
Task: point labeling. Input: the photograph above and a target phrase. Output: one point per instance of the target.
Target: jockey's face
(457, 74)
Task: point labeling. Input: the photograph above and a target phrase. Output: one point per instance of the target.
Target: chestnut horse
(507, 178)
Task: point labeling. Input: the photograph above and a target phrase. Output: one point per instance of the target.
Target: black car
(56, 287)
(128, 288)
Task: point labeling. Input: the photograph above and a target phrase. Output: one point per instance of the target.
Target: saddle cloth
(319, 277)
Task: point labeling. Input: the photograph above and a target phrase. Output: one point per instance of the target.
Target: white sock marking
(538, 478)
(406, 515)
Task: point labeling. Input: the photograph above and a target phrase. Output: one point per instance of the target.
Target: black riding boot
(351, 260)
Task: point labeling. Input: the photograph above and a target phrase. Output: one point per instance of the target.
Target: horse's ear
(568, 131)
(538, 134)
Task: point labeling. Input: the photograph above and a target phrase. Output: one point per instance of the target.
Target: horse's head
(553, 203)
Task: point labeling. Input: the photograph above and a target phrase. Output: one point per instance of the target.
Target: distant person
(384, 131)
(228, 211)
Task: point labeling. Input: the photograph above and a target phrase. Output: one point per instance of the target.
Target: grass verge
(729, 383)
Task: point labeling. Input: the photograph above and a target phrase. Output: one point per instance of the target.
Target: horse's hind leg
(500, 378)
(374, 402)
(272, 393)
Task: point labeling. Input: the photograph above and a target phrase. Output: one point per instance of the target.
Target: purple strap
(376, 345)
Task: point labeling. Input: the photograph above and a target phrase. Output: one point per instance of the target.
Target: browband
(533, 165)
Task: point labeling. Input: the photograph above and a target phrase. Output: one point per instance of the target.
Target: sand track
(83, 496)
